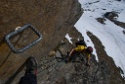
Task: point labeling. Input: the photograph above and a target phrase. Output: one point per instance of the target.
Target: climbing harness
(19, 30)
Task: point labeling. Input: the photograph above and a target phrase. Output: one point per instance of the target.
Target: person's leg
(28, 79)
(31, 70)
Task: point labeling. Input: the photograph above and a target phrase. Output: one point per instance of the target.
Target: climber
(31, 71)
(81, 48)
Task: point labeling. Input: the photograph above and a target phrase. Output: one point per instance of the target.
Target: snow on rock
(110, 35)
(68, 37)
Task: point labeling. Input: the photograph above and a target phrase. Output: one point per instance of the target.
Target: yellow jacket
(82, 48)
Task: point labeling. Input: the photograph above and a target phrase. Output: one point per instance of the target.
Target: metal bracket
(7, 38)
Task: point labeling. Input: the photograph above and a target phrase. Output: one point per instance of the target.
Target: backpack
(80, 42)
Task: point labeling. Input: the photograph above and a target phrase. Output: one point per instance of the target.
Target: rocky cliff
(54, 19)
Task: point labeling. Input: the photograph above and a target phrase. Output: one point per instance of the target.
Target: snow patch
(69, 38)
(110, 35)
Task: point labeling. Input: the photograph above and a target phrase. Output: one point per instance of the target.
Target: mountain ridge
(54, 19)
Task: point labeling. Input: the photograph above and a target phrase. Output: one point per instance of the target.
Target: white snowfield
(110, 35)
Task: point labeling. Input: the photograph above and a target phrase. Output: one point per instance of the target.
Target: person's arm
(71, 52)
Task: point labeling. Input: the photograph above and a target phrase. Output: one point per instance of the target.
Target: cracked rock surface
(54, 19)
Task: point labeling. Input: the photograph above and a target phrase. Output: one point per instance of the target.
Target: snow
(110, 35)
(68, 38)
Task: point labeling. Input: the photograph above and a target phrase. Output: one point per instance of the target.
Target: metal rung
(7, 38)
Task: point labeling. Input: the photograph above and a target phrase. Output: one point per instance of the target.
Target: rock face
(54, 19)
(112, 16)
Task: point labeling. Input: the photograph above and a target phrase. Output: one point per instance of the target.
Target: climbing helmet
(89, 49)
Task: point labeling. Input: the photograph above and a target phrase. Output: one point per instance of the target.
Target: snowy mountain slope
(110, 35)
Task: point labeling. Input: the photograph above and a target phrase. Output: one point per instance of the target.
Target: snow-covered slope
(110, 35)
